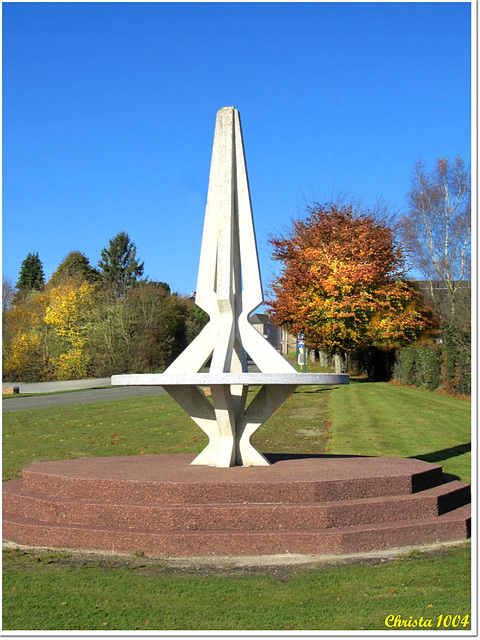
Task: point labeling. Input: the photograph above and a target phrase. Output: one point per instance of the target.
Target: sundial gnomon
(229, 289)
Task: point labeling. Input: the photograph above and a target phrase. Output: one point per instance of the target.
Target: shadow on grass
(434, 457)
(445, 454)
(279, 457)
(322, 390)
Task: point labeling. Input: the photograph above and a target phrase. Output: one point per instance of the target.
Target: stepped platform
(162, 505)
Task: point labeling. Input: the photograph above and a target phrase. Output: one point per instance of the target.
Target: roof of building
(260, 318)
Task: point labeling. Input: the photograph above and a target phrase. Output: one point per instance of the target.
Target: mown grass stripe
(384, 419)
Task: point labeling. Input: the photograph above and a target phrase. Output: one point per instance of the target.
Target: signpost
(301, 352)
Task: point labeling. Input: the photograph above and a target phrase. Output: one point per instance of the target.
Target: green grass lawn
(385, 419)
(48, 591)
(54, 591)
(154, 424)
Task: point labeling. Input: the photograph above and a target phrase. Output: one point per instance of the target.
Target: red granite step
(171, 479)
(450, 527)
(163, 505)
(50, 509)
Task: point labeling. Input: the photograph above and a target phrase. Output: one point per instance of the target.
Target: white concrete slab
(246, 379)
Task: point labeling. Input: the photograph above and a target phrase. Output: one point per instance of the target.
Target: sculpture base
(229, 424)
(161, 505)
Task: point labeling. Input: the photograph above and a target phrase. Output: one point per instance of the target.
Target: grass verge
(47, 591)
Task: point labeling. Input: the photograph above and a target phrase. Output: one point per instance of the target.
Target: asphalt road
(85, 391)
(78, 397)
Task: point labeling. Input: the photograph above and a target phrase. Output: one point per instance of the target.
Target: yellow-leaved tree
(68, 312)
(25, 353)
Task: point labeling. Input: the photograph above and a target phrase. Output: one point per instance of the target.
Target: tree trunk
(323, 358)
(340, 360)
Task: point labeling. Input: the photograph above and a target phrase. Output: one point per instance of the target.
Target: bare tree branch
(436, 229)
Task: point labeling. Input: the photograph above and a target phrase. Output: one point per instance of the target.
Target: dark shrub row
(419, 366)
(446, 366)
(375, 363)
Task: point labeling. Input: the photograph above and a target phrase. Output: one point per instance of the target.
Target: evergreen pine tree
(118, 265)
(31, 274)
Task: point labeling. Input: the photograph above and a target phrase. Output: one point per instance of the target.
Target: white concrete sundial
(229, 289)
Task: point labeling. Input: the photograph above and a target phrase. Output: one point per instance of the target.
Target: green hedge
(419, 366)
(445, 367)
(457, 370)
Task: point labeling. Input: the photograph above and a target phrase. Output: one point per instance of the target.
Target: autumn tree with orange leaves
(341, 283)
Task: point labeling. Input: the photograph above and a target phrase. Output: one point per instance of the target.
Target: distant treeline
(93, 322)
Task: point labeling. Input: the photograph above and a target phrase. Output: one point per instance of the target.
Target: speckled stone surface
(162, 505)
(171, 479)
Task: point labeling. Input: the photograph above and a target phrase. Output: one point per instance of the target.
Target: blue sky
(109, 113)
